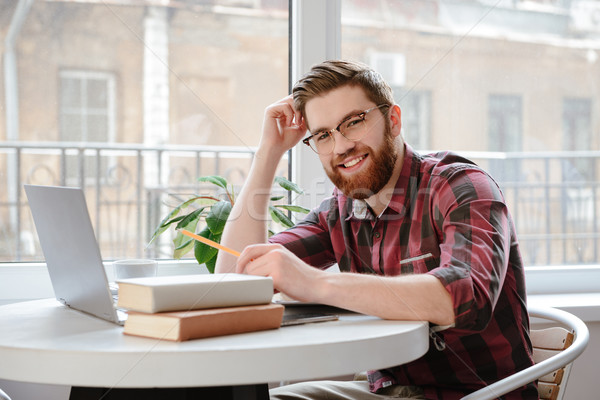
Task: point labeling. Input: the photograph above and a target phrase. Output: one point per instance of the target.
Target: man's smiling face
(359, 169)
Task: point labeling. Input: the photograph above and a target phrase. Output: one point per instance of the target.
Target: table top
(43, 341)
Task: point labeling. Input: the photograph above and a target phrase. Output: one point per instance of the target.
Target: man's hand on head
(283, 126)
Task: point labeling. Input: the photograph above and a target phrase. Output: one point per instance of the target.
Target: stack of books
(185, 307)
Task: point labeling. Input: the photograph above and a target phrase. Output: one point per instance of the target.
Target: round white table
(43, 341)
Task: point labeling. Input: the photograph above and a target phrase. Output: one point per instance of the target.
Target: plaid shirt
(447, 218)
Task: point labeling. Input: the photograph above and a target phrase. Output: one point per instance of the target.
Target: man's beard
(372, 180)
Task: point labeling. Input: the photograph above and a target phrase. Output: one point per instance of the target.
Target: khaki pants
(342, 390)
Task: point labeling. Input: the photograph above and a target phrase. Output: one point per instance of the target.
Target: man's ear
(395, 116)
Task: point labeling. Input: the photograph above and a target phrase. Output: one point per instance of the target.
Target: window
(416, 117)
(509, 84)
(87, 114)
(132, 101)
(577, 136)
(579, 175)
(505, 134)
(415, 103)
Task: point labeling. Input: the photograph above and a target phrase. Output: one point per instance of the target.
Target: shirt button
(377, 234)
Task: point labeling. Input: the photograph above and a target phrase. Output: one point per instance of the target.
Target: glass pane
(416, 117)
(172, 91)
(504, 130)
(97, 93)
(71, 127)
(97, 128)
(70, 91)
(511, 86)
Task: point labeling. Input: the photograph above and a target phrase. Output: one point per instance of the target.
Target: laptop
(71, 251)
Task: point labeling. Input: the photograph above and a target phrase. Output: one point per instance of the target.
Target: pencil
(209, 242)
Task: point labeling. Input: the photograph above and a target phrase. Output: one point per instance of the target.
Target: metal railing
(553, 196)
(128, 189)
(554, 200)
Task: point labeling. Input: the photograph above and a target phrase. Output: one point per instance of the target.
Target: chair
(3, 396)
(554, 350)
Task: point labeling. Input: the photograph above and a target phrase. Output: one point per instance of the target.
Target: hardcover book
(196, 324)
(191, 292)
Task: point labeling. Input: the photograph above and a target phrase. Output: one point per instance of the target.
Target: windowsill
(30, 280)
(583, 305)
(575, 289)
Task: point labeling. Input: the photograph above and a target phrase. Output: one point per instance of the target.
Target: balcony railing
(553, 196)
(129, 189)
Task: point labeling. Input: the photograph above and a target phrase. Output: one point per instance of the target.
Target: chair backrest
(548, 343)
(554, 352)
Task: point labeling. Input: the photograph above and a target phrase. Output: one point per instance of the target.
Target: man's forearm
(247, 223)
(417, 297)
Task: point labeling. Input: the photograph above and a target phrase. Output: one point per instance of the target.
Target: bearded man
(417, 237)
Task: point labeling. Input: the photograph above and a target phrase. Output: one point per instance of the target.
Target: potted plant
(207, 215)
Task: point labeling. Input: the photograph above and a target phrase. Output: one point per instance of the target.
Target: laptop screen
(70, 248)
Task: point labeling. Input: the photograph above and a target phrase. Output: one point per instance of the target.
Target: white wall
(583, 382)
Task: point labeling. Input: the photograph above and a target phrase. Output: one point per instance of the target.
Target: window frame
(312, 40)
(85, 76)
(308, 48)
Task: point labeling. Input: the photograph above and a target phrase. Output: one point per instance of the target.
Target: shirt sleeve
(470, 211)
(310, 239)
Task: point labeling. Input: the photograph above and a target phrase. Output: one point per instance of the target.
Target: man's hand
(283, 127)
(290, 275)
(419, 297)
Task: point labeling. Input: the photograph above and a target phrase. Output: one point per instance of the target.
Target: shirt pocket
(419, 264)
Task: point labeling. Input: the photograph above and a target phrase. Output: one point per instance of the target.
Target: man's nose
(341, 145)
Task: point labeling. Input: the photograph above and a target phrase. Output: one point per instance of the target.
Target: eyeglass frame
(362, 115)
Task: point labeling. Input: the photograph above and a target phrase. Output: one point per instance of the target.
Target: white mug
(134, 268)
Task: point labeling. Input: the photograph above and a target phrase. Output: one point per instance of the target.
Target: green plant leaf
(193, 216)
(280, 217)
(217, 216)
(206, 200)
(183, 244)
(169, 222)
(176, 219)
(183, 249)
(293, 208)
(210, 264)
(169, 219)
(215, 180)
(288, 185)
(164, 224)
(203, 252)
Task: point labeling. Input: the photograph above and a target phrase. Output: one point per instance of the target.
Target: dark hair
(333, 74)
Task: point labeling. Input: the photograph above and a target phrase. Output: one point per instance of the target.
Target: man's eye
(319, 137)
(353, 122)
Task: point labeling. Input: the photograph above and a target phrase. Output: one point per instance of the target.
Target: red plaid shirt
(447, 218)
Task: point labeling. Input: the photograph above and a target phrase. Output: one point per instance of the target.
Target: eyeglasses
(353, 128)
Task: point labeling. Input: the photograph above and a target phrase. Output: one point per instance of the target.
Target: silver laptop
(71, 250)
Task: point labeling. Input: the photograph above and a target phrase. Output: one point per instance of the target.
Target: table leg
(243, 392)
